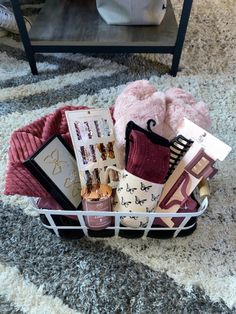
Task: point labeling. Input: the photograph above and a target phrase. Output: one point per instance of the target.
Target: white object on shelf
(132, 12)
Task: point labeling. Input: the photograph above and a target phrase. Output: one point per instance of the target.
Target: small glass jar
(97, 222)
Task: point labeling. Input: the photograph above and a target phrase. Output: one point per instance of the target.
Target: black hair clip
(178, 148)
(96, 178)
(89, 182)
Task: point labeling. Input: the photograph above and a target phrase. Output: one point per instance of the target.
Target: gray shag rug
(43, 274)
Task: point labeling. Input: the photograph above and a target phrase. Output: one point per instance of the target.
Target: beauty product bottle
(98, 198)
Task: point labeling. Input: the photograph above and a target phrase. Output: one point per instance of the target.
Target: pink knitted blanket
(26, 141)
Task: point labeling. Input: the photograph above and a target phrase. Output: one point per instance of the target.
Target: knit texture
(24, 143)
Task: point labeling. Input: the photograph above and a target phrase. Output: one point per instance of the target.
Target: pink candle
(97, 222)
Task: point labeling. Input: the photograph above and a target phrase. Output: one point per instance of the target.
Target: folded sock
(147, 153)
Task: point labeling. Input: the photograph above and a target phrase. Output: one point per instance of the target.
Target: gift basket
(140, 169)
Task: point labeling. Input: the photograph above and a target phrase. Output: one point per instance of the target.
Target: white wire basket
(117, 228)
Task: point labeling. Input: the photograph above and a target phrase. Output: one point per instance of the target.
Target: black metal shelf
(76, 26)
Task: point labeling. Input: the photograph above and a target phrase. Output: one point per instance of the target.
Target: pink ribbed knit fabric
(26, 141)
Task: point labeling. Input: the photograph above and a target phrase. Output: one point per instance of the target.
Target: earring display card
(54, 166)
(93, 140)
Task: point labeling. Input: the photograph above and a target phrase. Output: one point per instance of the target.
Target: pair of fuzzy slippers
(140, 102)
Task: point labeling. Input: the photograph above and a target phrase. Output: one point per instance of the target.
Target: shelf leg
(24, 36)
(183, 24)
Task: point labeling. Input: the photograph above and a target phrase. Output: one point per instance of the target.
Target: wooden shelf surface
(77, 22)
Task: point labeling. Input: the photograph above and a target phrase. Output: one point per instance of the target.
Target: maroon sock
(147, 157)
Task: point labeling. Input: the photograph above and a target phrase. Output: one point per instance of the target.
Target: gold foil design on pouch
(53, 159)
(73, 184)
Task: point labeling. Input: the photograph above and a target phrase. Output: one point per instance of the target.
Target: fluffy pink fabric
(180, 104)
(140, 102)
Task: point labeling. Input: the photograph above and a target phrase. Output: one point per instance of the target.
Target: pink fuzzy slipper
(140, 102)
(179, 105)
